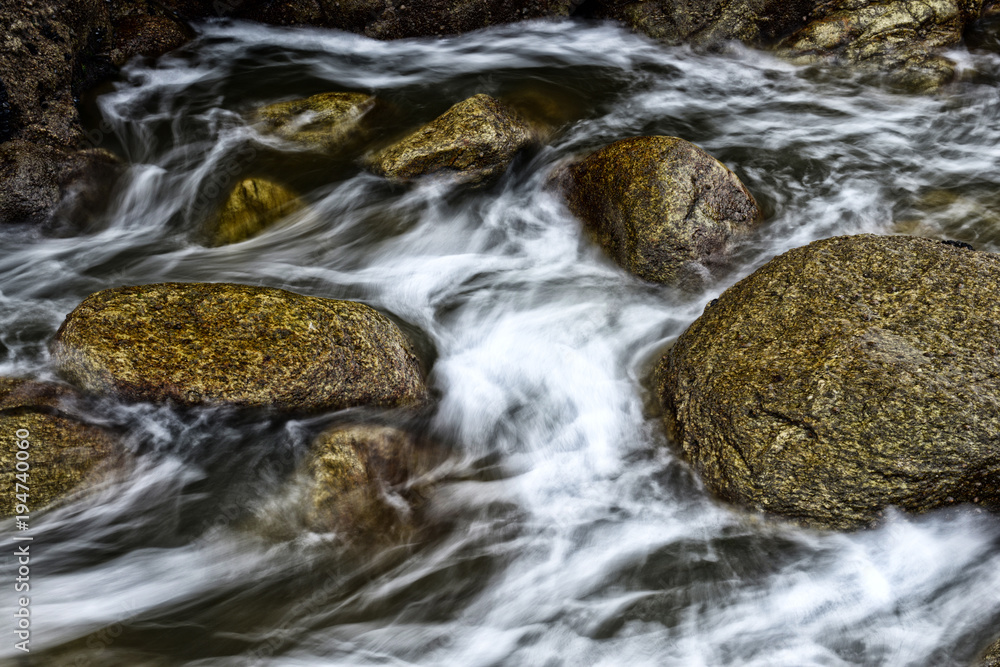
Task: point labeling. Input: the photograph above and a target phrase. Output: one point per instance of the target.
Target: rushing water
(569, 533)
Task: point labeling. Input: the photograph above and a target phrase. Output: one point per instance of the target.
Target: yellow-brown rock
(325, 122)
(193, 343)
(473, 141)
(253, 205)
(660, 205)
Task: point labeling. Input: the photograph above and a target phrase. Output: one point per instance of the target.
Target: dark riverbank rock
(363, 481)
(62, 453)
(844, 377)
(896, 40)
(145, 35)
(195, 343)
(709, 21)
(254, 205)
(660, 206)
(325, 122)
(475, 140)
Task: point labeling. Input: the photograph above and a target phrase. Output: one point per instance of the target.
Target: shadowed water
(567, 532)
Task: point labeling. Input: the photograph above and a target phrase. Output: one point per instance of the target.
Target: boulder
(473, 141)
(660, 206)
(145, 35)
(63, 453)
(709, 22)
(361, 481)
(896, 40)
(253, 205)
(325, 122)
(219, 343)
(845, 377)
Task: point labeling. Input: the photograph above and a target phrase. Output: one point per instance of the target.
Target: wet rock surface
(473, 141)
(253, 205)
(194, 343)
(63, 453)
(661, 207)
(844, 377)
(145, 35)
(324, 122)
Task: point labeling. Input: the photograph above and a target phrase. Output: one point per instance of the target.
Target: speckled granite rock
(63, 453)
(473, 141)
(145, 35)
(253, 205)
(844, 377)
(325, 122)
(660, 205)
(195, 343)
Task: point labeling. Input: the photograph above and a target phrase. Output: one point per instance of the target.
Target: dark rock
(195, 343)
(147, 36)
(709, 22)
(660, 206)
(842, 378)
(63, 453)
(473, 141)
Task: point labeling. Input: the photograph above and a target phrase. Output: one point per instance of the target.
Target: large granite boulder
(61, 453)
(709, 22)
(325, 122)
(473, 141)
(662, 207)
(842, 378)
(194, 343)
(897, 40)
(253, 205)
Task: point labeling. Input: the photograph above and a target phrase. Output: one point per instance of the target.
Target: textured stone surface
(253, 205)
(659, 205)
(145, 35)
(360, 478)
(473, 141)
(328, 121)
(250, 346)
(709, 21)
(897, 39)
(63, 453)
(843, 377)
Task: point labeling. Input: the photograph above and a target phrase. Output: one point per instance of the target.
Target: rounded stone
(845, 377)
(252, 206)
(660, 206)
(194, 343)
(473, 141)
(325, 122)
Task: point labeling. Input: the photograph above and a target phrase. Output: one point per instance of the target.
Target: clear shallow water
(567, 531)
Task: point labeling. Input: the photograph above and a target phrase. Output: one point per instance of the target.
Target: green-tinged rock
(990, 657)
(362, 481)
(660, 206)
(254, 205)
(709, 21)
(844, 377)
(195, 343)
(325, 122)
(473, 141)
(896, 40)
(62, 454)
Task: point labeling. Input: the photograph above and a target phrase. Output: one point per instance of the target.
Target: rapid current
(570, 532)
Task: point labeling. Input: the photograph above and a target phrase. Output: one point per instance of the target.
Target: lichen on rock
(253, 205)
(845, 377)
(325, 122)
(220, 343)
(660, 206)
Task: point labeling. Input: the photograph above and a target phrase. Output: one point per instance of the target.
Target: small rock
(326, 122)
(253, 205)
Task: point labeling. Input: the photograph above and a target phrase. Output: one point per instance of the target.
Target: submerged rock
(62, 453)
(326, 122)
(253, 205)
(844, 377)
(362, 481)
(195, 343)
(660, 206)
(897, 40)
(475, 140)
(709, 21)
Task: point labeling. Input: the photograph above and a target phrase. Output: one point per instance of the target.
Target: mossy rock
(896, 40)
(194, 343)
(660, 206)
(327, 122)
(362, 481)
(252, 206)
(473, 141)
(64, 454)
(845, 377)
(708, 22)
